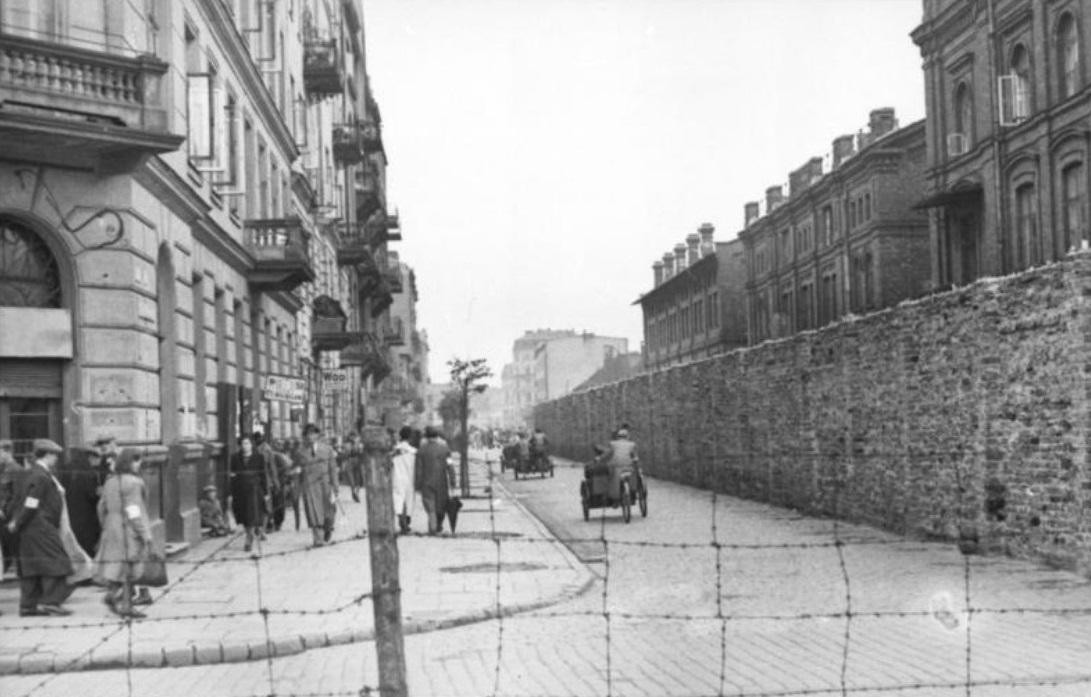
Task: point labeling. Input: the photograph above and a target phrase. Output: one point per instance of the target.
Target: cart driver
(621, 458)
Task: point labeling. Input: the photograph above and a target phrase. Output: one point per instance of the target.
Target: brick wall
(963, 415)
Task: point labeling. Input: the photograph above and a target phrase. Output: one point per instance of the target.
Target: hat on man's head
(44, 445)
(6, 444)
(431, 432)
(623, 433)
(103, 440)
(210, 487)
(311, 428)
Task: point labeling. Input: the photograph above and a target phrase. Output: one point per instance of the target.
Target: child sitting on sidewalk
(212, 515)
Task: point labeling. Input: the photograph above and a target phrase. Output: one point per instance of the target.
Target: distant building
(1007, 106)
(843, 236)
(563, 363)
(696, 307)
(408, 379)
(517, 377)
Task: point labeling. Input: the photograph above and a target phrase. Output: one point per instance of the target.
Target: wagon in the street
(600, 490)
(535, 463)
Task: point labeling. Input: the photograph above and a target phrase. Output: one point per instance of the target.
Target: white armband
(133, 511)
(31, 502)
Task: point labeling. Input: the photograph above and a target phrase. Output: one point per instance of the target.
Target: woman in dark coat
(248, 490)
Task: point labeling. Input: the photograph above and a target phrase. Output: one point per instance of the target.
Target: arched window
(29, 276)
(1068, 56)
(964, 114)
(1073, 185)
(1025, 228)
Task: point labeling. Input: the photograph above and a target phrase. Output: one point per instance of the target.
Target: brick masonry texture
(960, 416)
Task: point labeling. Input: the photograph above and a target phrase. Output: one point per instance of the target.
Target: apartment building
(842, 235)
(191, 192)
(1007, 98)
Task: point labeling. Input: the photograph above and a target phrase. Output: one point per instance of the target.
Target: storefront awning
(950, 197)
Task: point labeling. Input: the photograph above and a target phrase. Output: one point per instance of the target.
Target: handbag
(151, 571)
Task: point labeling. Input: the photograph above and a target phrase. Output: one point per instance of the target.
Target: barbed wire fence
(616, 624)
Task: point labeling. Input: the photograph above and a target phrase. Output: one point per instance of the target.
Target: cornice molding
(173, 190)
(222, 25)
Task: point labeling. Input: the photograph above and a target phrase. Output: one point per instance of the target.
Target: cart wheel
(583, 501)
(626, 502)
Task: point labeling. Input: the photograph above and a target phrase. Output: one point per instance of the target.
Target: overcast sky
(543, 153)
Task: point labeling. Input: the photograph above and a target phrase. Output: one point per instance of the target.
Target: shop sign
(293, 390)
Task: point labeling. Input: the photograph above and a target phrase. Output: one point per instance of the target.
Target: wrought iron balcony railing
(323, 72)
(281, 251)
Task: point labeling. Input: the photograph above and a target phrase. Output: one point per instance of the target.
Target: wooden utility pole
(385, 587)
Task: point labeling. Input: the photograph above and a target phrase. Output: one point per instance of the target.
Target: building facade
(695, 308)
(517, 378)
(1007, 98)
(407, 382)
(190, 195)
(563, 363)
(843, 236)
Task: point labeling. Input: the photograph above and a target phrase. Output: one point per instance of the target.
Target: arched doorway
(35, 337)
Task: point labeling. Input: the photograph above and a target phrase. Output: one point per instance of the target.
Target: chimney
(668, 266)
(774, 195)
(707, 245)
(843, 149)
(751, 212)
(679, 258)
(881, 121)
(694, 252)
(657, 269)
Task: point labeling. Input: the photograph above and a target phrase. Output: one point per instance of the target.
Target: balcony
(281, 251)
(83, 108)
(323, 74)
(394, 279)
(371, 136)
(328, 334)
(369, 196)
(348, 145)
(352, 245)
(394, 334)
(369, 355)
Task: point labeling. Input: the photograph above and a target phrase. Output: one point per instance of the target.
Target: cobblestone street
(667, 617)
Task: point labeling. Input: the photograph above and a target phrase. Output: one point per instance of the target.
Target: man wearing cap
(36, 519)
(318, 464)
(621, 457)
(432, 477)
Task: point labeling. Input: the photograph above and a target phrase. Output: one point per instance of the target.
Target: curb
(36, 663)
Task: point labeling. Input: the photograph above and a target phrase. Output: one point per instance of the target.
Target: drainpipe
(998, 186)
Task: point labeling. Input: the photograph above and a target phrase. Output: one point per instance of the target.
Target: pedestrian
(126, 534)
(279, 469)
(83, 487)
(212, 514)
(621, 458)
(274, 499)
(318, 465)
(10, 471)
(292, 483)
(36, 521)
(249, 487)
(432, 478)
(403, 479)
(354, 462)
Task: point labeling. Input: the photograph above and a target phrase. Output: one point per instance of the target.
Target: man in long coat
(318, 483)
(36, 519)
(432, 478)
(83, 487)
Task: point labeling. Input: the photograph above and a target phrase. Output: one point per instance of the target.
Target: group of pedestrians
(94, 527)
(267, 479)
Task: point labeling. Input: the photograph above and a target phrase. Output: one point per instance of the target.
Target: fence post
(386, 599)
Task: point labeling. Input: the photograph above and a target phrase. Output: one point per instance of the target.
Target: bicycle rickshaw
(629, 489)
(535, 463)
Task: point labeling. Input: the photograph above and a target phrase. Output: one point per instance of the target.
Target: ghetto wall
(960, 416)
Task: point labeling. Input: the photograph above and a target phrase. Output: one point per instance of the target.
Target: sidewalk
(225, 605)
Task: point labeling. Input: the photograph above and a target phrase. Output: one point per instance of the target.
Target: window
(1015, 88)
(863, 281)
(828, 309)
(852, 214)
(1068, 56)
(827, 225)
(1025, 238)
(805, 306)
(1073, 188)
(714, 310)
(961, 138)
(867, 206)
(785, 252)
(29, 276)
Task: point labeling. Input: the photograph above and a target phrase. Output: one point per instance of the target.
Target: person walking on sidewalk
(10, 471)
(36, 521)
(126, 533)
(291, 482)
(405, 461)
(432, 479)
(318, 463)
(249, 487)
